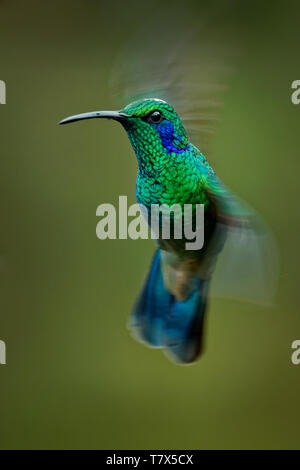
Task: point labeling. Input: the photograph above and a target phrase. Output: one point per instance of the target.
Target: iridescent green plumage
(165, 176)
(170, 310)
(171, 170)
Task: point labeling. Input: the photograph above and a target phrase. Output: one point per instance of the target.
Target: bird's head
(153, 127)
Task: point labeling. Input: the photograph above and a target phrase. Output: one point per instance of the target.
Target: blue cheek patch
(166, 131)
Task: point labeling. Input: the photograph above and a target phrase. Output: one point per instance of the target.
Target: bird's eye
(156, 117)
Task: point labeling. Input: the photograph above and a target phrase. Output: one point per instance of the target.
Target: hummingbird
(170, 310)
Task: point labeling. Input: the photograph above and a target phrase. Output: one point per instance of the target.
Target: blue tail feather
(160, 320)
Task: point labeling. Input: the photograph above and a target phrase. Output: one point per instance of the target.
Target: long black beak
(117, 115)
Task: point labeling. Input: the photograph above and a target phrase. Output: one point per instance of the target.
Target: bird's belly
(183, 233)
(154, 195)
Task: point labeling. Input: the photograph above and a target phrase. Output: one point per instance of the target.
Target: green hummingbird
(170, 310)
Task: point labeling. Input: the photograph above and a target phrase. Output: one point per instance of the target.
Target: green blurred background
(74, 376)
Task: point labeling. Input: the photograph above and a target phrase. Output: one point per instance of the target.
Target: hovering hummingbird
(189, 62)
(170, 310)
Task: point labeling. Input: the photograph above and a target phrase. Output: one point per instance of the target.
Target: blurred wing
(230, 209)
(248, 266)
(189, 62)
(184, 61)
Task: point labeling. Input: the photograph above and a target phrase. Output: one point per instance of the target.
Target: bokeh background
(74, 376)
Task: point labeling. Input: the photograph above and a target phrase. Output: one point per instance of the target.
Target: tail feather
(160, 320)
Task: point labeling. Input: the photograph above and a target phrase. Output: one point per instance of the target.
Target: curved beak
(117, 115)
